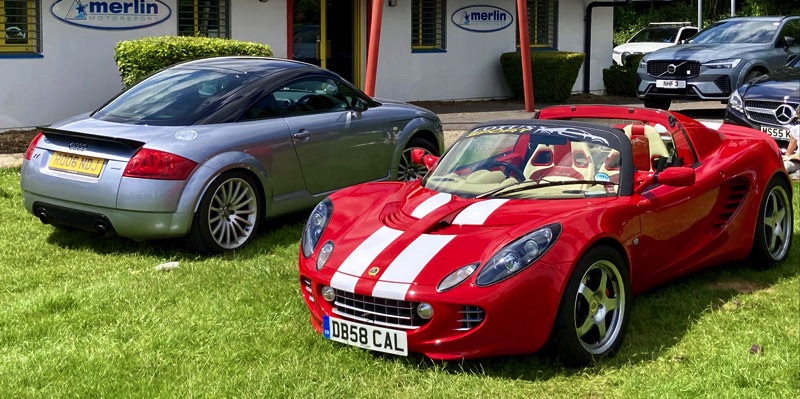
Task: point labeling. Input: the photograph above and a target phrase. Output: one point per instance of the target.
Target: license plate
(776, 132)
(77, 164)
(365, 336)
(670, 84)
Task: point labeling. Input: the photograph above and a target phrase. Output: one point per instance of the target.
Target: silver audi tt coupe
(208, 149)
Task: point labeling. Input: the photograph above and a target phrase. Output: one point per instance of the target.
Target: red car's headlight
(518, 255)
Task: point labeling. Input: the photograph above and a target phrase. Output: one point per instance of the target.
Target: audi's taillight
(155, 164)
(32, 145)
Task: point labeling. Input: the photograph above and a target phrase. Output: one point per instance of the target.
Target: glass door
(324, 34)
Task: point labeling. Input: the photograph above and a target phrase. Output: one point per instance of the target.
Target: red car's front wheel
(595, 309)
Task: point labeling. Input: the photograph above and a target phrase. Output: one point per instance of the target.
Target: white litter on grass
(167, 266)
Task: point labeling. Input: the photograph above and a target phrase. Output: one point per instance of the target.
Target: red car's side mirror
(676, 176)
(422, 157)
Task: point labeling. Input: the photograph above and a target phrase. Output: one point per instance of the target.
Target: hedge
(621, 79)
(554, 74)
(137, 59)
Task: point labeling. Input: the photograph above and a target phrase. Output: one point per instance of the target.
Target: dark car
(769, 103)
(718, 60)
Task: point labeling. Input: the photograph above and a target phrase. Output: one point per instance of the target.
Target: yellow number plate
(77, 164)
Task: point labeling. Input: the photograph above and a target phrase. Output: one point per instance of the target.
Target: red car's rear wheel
(773, 235)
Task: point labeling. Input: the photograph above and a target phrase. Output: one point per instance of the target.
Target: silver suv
(717, 60)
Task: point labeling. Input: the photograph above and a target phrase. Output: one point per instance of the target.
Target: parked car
(770, 103)
(655, 36)
(207, 149)
(529, 232)
(718, 60)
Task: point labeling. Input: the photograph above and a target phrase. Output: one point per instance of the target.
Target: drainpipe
(587, 35)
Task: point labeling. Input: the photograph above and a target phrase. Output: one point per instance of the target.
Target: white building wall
(469, 69)
(408, 76)
(77, 72)
(261, 22)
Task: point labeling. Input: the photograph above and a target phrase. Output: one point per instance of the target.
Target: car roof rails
(670, 24)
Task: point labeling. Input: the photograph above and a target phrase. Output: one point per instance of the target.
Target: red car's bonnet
(470, 230)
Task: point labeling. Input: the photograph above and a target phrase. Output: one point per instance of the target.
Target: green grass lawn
(82, 316)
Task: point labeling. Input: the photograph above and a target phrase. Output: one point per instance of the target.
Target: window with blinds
(428, 24)
(21, 26)
(209, 18)
(542, 23)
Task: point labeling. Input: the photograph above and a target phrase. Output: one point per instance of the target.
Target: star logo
(785, 114)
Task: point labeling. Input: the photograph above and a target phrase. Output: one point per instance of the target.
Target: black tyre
(752, 75)
(773, 236)
(658, 103)
(407, 170)
(228, 216)
(594, 312)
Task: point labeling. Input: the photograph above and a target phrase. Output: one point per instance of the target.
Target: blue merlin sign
(115, 15)
(482, 18)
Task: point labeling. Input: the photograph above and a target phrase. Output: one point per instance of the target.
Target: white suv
(657, 35)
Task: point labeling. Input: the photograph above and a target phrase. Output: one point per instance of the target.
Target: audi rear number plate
(365, 336)
(670, 84)
(776, 132)
(77, 164)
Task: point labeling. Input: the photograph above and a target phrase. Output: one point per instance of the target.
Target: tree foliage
(635, 16)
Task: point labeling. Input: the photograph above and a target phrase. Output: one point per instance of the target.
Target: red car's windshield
(529, 161)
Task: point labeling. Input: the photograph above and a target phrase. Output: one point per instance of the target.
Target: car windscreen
(174, 97)
(530, 161)
(655, 35)
(737, 31)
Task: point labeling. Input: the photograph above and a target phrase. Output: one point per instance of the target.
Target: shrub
(621, 79)
(554, 74)
(136, 59)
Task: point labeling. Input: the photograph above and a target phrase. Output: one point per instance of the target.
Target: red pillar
(374, 44)
(525, 52)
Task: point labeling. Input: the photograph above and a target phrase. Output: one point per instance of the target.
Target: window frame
(422, 21)
(551, 17)
(222, 8)
(33, 23)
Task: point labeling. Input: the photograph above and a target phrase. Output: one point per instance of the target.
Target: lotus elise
(535, 232)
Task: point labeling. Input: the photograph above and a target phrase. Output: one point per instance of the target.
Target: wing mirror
(359, 105)
(789, 41)
(422, 157)
(674, 176)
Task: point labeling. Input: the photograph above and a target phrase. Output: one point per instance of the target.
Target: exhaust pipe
(42, 215)
(101, 229)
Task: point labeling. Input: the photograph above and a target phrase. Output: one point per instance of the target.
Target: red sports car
(529, 232)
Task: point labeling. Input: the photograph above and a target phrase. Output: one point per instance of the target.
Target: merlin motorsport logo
(132, 14)
(482, 18)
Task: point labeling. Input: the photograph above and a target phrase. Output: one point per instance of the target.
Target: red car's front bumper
(517, 314)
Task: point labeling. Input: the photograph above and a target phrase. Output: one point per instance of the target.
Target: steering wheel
(508, 169)
(303, 103)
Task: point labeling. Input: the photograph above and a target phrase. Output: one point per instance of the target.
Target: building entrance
(327, 33)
